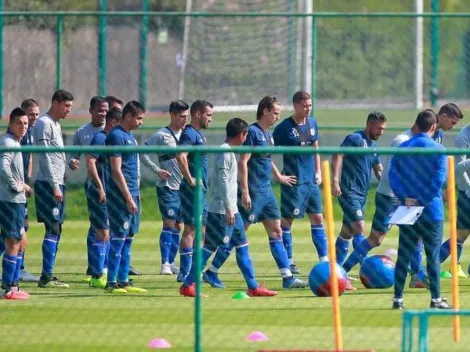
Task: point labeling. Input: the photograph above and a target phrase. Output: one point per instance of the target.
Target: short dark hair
(200, 105)
(177, 106)
(112, 99)
(16, 113)
(425, 120)
(376, 116)
(97, 100)
(133, 108)
(28, 103)
(267, 102)
(62, 95)
(114, 114)
(451, 109)
(300, 96)
(236, 126)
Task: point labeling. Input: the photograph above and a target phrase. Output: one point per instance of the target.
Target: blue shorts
(463, 212)
(187, 204)
(12, 219)
(353, 208)
(300, 199)
(26, 218)
(218, 233)
(48, 210)
(121, 221)
(384, 208)
(97, 212)
(169, 203)
(263, 207)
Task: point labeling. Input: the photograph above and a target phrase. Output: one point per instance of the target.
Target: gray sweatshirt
(11, 171)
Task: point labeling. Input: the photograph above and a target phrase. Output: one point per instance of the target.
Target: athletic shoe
(350, 287)
(134, 272)
(261, 291)
(27, 277)
(99, 282)
(114, 289)
(86, 279)
(16, 295)
(188, 291)
(212, 279)
(294, 270)
(166, 269)
(448, 273)
(174, 269)
(292, 282)
(420, 280)
(127, 286)
(397, 303)
(54, 282)
(440, 303)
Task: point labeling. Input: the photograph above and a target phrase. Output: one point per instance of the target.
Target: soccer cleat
(212, 279)
(99, 282)
(16, 295)
(261, 291)
(51, 283)
(292, 282)
(350, 287)
(174, 269)
(86, 279)
(188, 291)
(114, 289)
(166, 269)
(294, 270)
(420, 280)
(127, 286)
(397, 304)
(440, 303)
(27, 277)
(134, 272)
(448, 273)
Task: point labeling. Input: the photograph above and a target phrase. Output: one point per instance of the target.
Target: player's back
(47, 132)
(259, 164)
(223, 188)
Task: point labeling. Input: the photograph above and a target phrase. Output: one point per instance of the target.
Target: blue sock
(417, 258)
(287, 240)
(319, 240)
(165, 244)
(444, 253)
(8, 269)
(49, 250)
(19, 262)
(279, 254)
(106, 254)
(98, 257)
(357, 239)
(22, 261)
(186, 255)
(342, 249)
(246, 266)
(359, 252)
(190, 278)
(124, 266)
(114, 257)
(90, 239)
(221, 256)
(175, 245)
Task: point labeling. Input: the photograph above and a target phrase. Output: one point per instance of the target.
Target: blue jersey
(27, 141)
(356, 171)
(259, 164)
(289, 133)
(129, 167)
(438, 136)
(99, 140)
(191, 136)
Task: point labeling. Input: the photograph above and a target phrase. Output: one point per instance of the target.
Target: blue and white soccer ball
(377, 271)
(319, 279)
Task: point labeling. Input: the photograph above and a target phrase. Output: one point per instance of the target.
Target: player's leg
(187, 237)
(25, 276)
(175, 245)
(407, 241)
(317, 231)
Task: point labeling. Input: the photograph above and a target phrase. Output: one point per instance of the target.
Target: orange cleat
(261, 291)
(350, 287)
(16, 295)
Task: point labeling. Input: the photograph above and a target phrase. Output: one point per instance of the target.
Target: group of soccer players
(235, 194)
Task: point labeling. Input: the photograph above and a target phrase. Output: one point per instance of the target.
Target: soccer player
(123, 199)
(385, 202)
(49, 185)
(83, 136)
(168, 184)
(225, 224)
(256, 201)
(201, 117)
(95, 191)
(303, 197)
(417, 181)
(13, 193)
(114, 102)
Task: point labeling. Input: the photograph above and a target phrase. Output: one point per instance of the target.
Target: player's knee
(54, 228)
(177, 226)
(316, 219)
(463, 234)
(375, 238)
(275, 234)
(358, 227)
(23, 243)
(286, 223)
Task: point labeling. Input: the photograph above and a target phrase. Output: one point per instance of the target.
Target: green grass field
(85, 319)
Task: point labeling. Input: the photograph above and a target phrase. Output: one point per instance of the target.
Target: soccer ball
(377, 271)
(319, 279)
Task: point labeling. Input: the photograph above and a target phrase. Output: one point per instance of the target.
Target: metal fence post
(59, 48)
(143, 55)
(434, 93)
(102, 49)
(197, 251)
